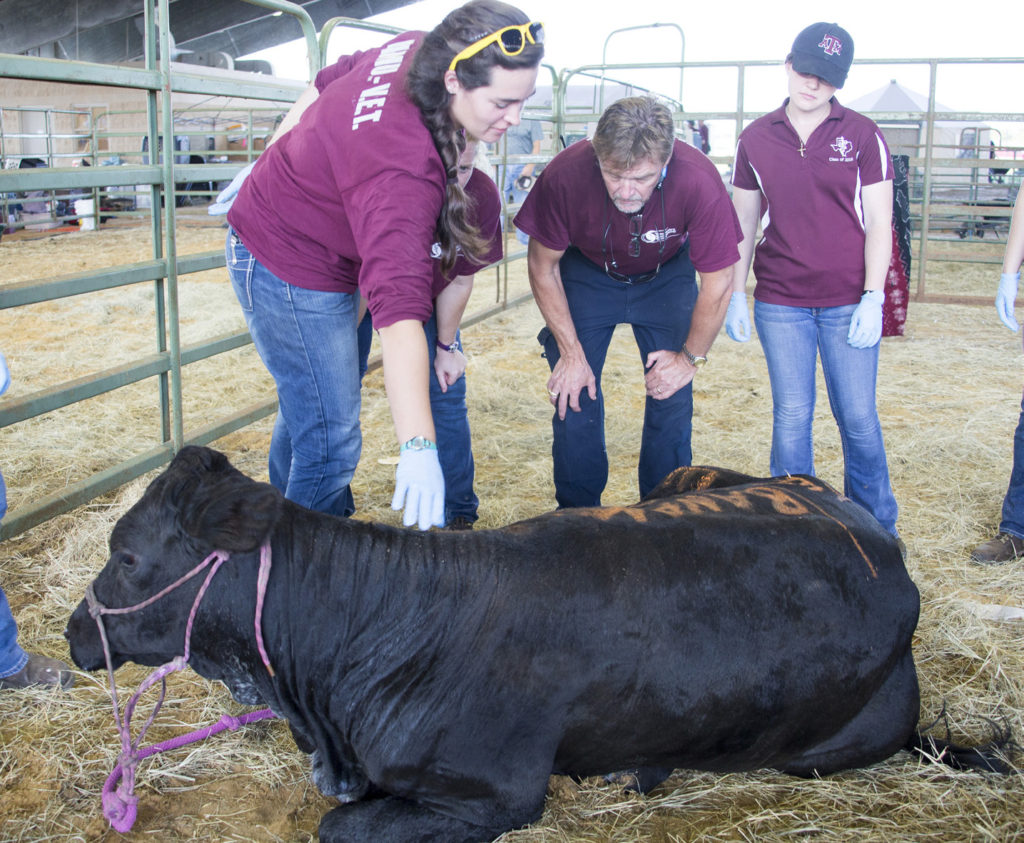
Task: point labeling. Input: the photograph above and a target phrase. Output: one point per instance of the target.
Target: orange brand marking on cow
(684, 505)
(603, 513)
(785, 497)
(795, 497)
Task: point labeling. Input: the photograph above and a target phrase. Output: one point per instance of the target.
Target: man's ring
(658, 390)
(552, 394)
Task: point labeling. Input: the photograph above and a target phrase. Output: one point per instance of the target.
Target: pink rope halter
(120, 804)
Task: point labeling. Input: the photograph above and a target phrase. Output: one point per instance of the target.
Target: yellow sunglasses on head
(511, 39)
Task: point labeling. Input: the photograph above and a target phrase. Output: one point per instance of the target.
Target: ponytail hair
(469, 23)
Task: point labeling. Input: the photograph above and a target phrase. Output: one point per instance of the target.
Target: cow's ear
(199, 459)
(234, 513)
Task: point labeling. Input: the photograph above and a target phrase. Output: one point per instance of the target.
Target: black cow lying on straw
(723, 623)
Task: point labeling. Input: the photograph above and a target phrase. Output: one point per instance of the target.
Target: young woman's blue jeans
(792, 337)
(307, 341)
(451, 428)
(659, 312)
(1013, 503)
(12, 657)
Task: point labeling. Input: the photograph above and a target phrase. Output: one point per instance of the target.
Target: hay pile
(949, 395)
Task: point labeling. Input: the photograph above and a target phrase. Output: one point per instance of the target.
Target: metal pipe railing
(160, 80)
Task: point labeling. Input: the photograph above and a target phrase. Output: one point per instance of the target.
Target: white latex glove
(1005, 297)
(866, 324)
(737, 318)
(227, 196)
(419, 488)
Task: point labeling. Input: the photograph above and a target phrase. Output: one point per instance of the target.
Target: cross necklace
(803, 143)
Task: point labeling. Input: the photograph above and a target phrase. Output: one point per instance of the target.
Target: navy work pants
(659, 312)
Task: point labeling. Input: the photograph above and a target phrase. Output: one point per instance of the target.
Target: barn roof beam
(111, 30)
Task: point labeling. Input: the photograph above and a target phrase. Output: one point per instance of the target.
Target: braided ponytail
(476, 19)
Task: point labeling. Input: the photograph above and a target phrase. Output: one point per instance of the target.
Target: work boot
(1003, 548)
(40, 670)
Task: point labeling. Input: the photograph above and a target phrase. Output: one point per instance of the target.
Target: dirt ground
(949, 396)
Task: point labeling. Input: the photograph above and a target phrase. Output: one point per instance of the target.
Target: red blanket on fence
(897, 293)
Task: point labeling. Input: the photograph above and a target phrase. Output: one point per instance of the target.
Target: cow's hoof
(641, 780)
(332, 786)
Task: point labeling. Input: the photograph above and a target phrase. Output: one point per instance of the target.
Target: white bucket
(85, 209)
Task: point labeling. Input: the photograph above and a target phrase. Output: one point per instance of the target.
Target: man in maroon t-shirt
(616, 228)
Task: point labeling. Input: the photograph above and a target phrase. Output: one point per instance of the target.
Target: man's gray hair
(633, 129)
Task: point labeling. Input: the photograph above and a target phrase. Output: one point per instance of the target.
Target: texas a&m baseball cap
(824, 50)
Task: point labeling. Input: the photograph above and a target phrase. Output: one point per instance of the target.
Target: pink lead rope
(119, 801)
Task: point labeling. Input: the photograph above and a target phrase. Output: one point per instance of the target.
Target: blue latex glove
(1005, 297)
(227, 196)
(5, 375)
(737, 319)
(866, 324)
(419, 488)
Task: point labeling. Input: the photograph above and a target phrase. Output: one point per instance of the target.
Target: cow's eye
(126, 560)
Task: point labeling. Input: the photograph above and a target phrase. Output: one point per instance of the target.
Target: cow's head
(199, 504)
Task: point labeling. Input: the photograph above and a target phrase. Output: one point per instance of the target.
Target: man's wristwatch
(418, 443)
(696, 360)
(455, 346)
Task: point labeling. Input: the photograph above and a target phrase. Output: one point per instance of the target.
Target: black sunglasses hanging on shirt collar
(636, 223)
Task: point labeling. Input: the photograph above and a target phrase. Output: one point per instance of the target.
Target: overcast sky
(746, 30)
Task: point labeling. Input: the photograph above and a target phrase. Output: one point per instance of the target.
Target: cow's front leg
(345, 786)
(398, 821)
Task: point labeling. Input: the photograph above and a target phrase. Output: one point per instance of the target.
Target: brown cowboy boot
(40, 670)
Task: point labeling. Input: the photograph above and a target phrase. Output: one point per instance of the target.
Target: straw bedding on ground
(949, 394)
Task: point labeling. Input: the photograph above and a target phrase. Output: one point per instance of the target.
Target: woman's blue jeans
(792, 337)
(307, 341)
(451, 427)
(12, 657)
(1013, 503)
(659, 312)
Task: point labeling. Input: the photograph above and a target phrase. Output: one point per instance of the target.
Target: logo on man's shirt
(656, 235)
(843, 149)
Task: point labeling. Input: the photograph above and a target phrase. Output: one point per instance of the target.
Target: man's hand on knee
(667, 373)
(568, 380)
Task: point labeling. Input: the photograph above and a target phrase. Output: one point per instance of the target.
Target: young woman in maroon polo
(818, 177)
(358, 184)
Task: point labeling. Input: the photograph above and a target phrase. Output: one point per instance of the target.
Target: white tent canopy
(907, 135)
(894, 97)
